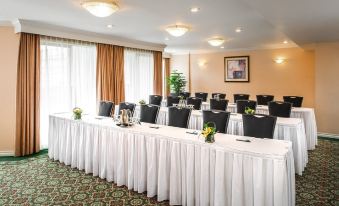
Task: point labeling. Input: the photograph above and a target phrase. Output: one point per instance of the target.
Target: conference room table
(307, 114)
(290, 129)
(174, 165)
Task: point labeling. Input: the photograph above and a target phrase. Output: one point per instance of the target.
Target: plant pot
(210, 139)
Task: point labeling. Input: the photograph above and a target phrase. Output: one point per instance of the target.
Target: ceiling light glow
(177, 30)
(195, 9)
(217, 41)
(238, 30)
(100, 8)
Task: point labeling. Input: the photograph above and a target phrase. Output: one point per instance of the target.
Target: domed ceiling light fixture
(177, 30)
(217, 41)
(100, 8)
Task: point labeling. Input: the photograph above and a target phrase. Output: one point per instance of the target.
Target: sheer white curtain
(68, 79)
(139, 71)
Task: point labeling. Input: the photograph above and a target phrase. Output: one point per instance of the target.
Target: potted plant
(177, 82)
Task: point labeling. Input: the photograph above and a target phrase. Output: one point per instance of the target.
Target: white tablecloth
(291, 129)
(174, 165)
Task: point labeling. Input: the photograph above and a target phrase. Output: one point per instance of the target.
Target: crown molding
(41, 28)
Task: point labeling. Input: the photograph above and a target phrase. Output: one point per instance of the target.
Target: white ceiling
(266, 23)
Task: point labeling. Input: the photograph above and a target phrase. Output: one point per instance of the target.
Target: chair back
(202, 95)
(243, 104)
(149, 113)
(178, 117)
(105, 108)
(259, 125)
(155, 99)
(280, 109)
(172, 100)
(295, 100)
(195, 101)
(241, 97)
(264, 99)
(185, 94)
(221, 95)
(220, 104)
(220, 119)
(127, 105)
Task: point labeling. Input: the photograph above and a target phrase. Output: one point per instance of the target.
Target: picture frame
(237, 69)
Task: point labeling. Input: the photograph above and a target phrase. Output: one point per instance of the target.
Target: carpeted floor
(39, 181)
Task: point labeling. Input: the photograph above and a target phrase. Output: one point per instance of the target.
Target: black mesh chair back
(264, 99)
(155, 99)
(185, 94)
(173, 94)
(220, 104)
(295, 100)
(105, 108)
(259, 125)
(195, 101)
(172, 100)
(202, 95)
(243, 104)
(220, 119)
(280, 109)
(241, 97)
(127, 105)
(149, 113)
(221, 95)
(178, 117)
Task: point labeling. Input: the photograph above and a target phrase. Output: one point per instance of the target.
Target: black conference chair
(185, 95)
(105, 108)
(202, 95)
(220, 119)
(127, 105)
(173, 94)
(259, 125)
(149, 113)
(241, 97)
(221, 95)
(220, 104)
(155, 99)
(172, 100)
(243, 104)
(295, 100)
(178, 117)
(264, 99)
(280, 109)
(195, 101)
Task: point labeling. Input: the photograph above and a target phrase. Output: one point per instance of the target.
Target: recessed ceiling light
(285, 42)
(222, 47)
(238, 30)
(195, 9)
(177, 30)
(166, 38)
(100, 8)
(110, 26)
(217, 41)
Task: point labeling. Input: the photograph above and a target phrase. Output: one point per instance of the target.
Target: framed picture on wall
(237, 69)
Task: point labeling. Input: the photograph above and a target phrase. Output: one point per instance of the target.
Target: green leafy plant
(141, 102)
(177, 82)
(249, 111)
(209, 131)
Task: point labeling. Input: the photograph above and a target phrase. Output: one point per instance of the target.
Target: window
(67, 79)
(139, 72)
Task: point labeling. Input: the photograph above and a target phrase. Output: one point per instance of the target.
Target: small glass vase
(77, 116)
(210, 139)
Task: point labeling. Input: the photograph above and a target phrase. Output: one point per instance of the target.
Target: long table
(290, 129)
(174, 165)
(307, 114)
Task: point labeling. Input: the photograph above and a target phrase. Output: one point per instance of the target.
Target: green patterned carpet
(40, 181)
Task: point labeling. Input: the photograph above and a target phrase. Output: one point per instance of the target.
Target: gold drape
(157, 83)
(167, 74)
(110, 73)
(28, 96)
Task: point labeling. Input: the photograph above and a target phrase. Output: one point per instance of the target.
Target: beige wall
(327, 87)
(9, 45)
(181, 64)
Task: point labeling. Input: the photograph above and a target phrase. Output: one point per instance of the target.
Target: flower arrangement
(142, 102)
(77, 113)
(249, 111)
(209, 131)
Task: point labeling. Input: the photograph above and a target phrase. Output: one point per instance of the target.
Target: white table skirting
(291, 129)
(174, 165)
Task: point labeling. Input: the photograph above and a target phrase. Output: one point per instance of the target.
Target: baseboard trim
(328, 135)
(6, 153)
